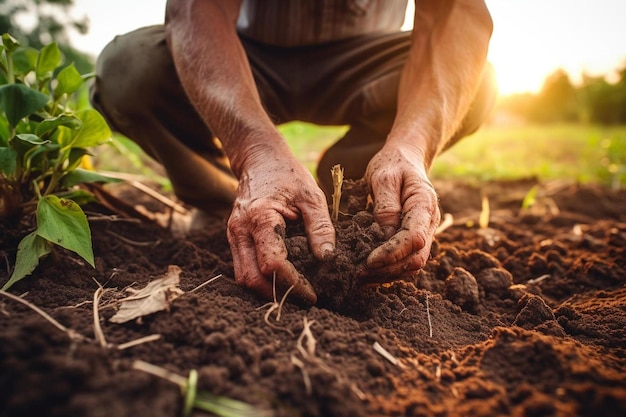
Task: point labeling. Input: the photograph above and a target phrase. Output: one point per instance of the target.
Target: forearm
(214, 71)
(439, 81)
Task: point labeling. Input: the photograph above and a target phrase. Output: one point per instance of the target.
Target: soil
(525, 317)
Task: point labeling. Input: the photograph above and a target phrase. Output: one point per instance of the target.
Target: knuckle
(243, 280)
(323, 228)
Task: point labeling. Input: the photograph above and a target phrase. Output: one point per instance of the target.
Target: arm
(439, 82)
(273, 185)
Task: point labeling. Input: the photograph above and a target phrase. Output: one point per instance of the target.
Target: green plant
(202, 400)
(42, 144)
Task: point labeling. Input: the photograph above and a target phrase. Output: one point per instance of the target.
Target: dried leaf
(156, 296)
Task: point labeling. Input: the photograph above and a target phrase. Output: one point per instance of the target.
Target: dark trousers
(350, 82)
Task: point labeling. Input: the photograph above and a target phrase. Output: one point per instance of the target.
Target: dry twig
(430, 325)
(73, 335)
(140, 341)
(97, 328)
(215, 278)
(276, 306)
(385, 354)
(131, 242)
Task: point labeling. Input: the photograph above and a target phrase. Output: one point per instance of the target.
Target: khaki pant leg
(138, 92)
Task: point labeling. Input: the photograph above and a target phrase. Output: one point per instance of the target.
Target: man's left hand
(407, 210)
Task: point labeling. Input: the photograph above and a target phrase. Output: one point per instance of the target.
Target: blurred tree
(36, 23)
(600, 101)
(604, 102)
(557, 101)
(596, 100)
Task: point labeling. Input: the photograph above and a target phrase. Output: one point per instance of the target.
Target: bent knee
(129, 71)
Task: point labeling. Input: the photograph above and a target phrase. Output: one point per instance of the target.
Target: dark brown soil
(525, 318)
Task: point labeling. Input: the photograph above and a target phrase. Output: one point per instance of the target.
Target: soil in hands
(338, 280)
(525, 318)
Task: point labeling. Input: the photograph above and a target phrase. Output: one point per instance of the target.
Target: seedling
(202, 400)
(42, 144)
(337, 176)
(485, 213)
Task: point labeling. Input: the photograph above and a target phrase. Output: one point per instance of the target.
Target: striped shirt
(308, 22)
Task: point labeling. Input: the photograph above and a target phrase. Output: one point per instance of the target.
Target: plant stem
(57, 171)
(37, 190)
(10, 72)
(337, 176)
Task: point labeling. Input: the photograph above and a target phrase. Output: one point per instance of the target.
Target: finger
(245, 265)
(417, 232)
(400, 246)
(387, 206)
(319, 228)
(406, 266)
(269, 242)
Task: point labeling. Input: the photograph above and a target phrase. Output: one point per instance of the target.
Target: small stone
(462, 289)
(495, 281)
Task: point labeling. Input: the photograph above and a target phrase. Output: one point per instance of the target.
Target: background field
(579, 152)
(575, 152)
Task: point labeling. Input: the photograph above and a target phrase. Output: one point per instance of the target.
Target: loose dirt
(524, 318)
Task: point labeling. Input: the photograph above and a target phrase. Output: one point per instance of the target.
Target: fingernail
(327, 249)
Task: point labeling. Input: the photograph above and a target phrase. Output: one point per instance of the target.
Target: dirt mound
(525, 317)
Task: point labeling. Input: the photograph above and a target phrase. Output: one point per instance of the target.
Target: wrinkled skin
(268, 193)
(449, 46)
(406, 208)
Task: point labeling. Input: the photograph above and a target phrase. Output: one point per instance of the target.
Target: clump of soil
(336, 280)
(523, 318)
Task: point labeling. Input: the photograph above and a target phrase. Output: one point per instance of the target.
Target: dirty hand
(271, 189)
(405, 207)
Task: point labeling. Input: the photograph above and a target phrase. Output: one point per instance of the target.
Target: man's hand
(271, 190)
(405, 207)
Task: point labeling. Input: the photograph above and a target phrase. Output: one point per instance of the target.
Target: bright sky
(531, 38)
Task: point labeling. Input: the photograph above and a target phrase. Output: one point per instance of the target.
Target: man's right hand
(274, 187)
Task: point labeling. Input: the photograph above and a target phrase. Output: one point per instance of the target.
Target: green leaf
(30, 138)
(25, 60)
(29, 251)
(49, 58)
(226, 407)
(94, 130)
(82, 176)
(47, 125)
(81, 197)
(39, 157)
(8, 161)
(75, 158)
(190, 392)
(530, 198)
(19, 101)
(9, 42)
(69, 80)
(4, 130)
(62, 222)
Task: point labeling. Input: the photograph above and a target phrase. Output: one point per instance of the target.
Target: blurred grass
(308, 141)
(582, 153)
